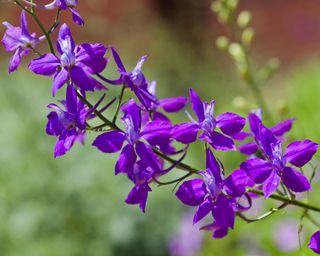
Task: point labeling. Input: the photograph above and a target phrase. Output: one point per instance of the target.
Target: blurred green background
(74, 205)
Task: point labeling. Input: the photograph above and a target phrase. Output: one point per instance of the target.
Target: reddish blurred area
(286, 29)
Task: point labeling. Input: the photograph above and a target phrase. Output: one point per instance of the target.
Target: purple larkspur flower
(314, 243)
(62, 5)
(134, 134)
(229, 124)
(214, 194)
(19, 41)
(135, 80)
(76, 63)
(254, 119)
(167, 105)
(273, 168)
(68, 125)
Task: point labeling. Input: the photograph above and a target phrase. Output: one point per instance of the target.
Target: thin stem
(119, 104)
(36, 19)
(287, 200)
(56, 22)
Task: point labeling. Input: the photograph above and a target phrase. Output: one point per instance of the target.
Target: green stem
(119, 104)
(287, 200)
(36, 19)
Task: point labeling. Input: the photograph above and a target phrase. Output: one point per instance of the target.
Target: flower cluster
(147, 138)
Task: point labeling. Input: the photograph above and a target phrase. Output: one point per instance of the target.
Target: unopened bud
(222, 43)
(247, 36)
(244, 19)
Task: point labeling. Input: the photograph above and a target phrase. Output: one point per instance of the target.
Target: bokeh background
(74, 205)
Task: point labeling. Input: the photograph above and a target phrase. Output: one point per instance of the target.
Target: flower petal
(109, 142)
(192, 192)
(230, 123)
(126, 160)
(314, 243)
(282, 127)
(257, 169)
(185, 133)
(223, 212)
(268, 140)
(139, 195)
(197, 105)
(147, 156)
(59, 80)
(76, 17)
(300, 152)
(248, 148)
(271, 184)
(173, 104)
(45, 65)
(221, 142)
(237, 182)
(203, 210)
(295, 180)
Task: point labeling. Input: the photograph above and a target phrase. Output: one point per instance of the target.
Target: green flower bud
(244, 19)
(222, 43)
(247, 36)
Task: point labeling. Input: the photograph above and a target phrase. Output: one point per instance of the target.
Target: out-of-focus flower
(286, 235)
(76, 63)
(229, 123)
(19, 41)
(188, 240)
(62, 5)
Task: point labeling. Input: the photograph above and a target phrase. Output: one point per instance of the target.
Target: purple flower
(135, 80)
(314, 243)
(229, 124)
(19, 41)
(68, 125)
(254, 118)
(153, 132)
(62, 5)
(273, 168)
(76, 63)
(214, 194)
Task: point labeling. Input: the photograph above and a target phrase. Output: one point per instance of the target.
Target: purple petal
(174, 104)
(156, 132)
(223, 213)
(282, 127)
(77, 17)
(221, 142)
(71, 100)
(65, 142)
(59, 80)
(91, 57)
(212, 166)
(197, 105)
(81, 79)
(185, 133)
(268, 140)
(64, 33)
(237, 182)
(248, 148)
(15, 61)
(271, 184)
(147, 156)
(24, 24)
(203, 210)
(192, 192)
(126, 160)
(109, 142)
(295, 180)
(139, 195)
(132, 110)
(45, 65)
(258, 170)
(314, 243)
(242, 135)
(254, 122)
(230, 123)
(300, 152)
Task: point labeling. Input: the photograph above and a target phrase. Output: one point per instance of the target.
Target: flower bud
(247, 36)
(222, 43)
(244, 19)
